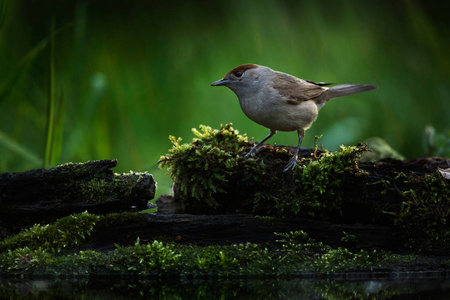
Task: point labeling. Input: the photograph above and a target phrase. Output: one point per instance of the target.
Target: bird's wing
(297, 90)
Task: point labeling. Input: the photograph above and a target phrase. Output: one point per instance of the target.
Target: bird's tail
(348, 89)
(343, 90)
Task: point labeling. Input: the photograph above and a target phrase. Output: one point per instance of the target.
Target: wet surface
(425, 287)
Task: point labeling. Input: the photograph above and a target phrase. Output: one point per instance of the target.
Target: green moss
(66, 233)
(95, 190)
(425, 212)
(211, 176)
(323, 258)
(296, 254)
(213, 166)
(318, 183)
(422, 216)
(91, 186)
(349, 239)
(102, 189)
(113, 219)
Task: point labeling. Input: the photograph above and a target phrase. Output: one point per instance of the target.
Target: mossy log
(382, 207)
(212, 176)
(221, 246)
(242, 228)
(43, 195)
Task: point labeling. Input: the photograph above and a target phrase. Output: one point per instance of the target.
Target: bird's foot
(253, 151)
(291, 165)
(249, 155)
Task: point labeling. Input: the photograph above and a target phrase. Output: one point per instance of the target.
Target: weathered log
(410, 197)
(204, 230)
(43, 195)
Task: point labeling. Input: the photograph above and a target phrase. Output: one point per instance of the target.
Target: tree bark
(43, 195)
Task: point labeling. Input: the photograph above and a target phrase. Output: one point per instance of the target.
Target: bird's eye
(238, 74)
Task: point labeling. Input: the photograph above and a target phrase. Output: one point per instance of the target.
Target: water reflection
(222, 289)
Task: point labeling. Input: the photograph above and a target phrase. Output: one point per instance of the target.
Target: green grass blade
(58, 130)
(51, 101)
(21, 69)
(8, 143)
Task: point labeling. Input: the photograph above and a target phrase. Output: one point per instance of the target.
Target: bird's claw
(291, 165)
(251, 154)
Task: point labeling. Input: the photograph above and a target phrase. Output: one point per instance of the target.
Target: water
(115, 288)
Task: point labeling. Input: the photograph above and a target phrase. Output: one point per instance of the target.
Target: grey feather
(348, 89)
(342, 90)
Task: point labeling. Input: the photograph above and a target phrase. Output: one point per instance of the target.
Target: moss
(211, 176)
(211, 165)
(318, 183)
(349, 239)
(295, 255)
(113, 219)
(422, 215)
(66, 233)
(211, 170)
(90, 185)
(425, 212)
(103, 189)
(95, 190)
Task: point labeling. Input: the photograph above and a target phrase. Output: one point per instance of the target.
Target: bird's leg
(293, 161)
(257, 147)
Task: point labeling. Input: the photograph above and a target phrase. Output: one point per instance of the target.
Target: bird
(280, 101)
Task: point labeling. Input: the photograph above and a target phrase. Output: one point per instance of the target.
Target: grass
(134, 76)
(51, 100)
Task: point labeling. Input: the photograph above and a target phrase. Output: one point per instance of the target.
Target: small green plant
(293, 237)
(342, 259)
(146, 259)
(295, 254)
(349, 239)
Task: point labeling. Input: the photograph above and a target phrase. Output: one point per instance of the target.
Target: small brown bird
(280, 101)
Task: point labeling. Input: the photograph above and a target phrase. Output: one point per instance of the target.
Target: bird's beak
(222, 81)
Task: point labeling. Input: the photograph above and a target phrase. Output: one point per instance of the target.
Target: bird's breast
(274, 113)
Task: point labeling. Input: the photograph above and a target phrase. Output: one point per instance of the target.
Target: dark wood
(230, 229)
(43, 195)
(368, 207)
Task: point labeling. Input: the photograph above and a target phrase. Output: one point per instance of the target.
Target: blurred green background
(124, 75)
